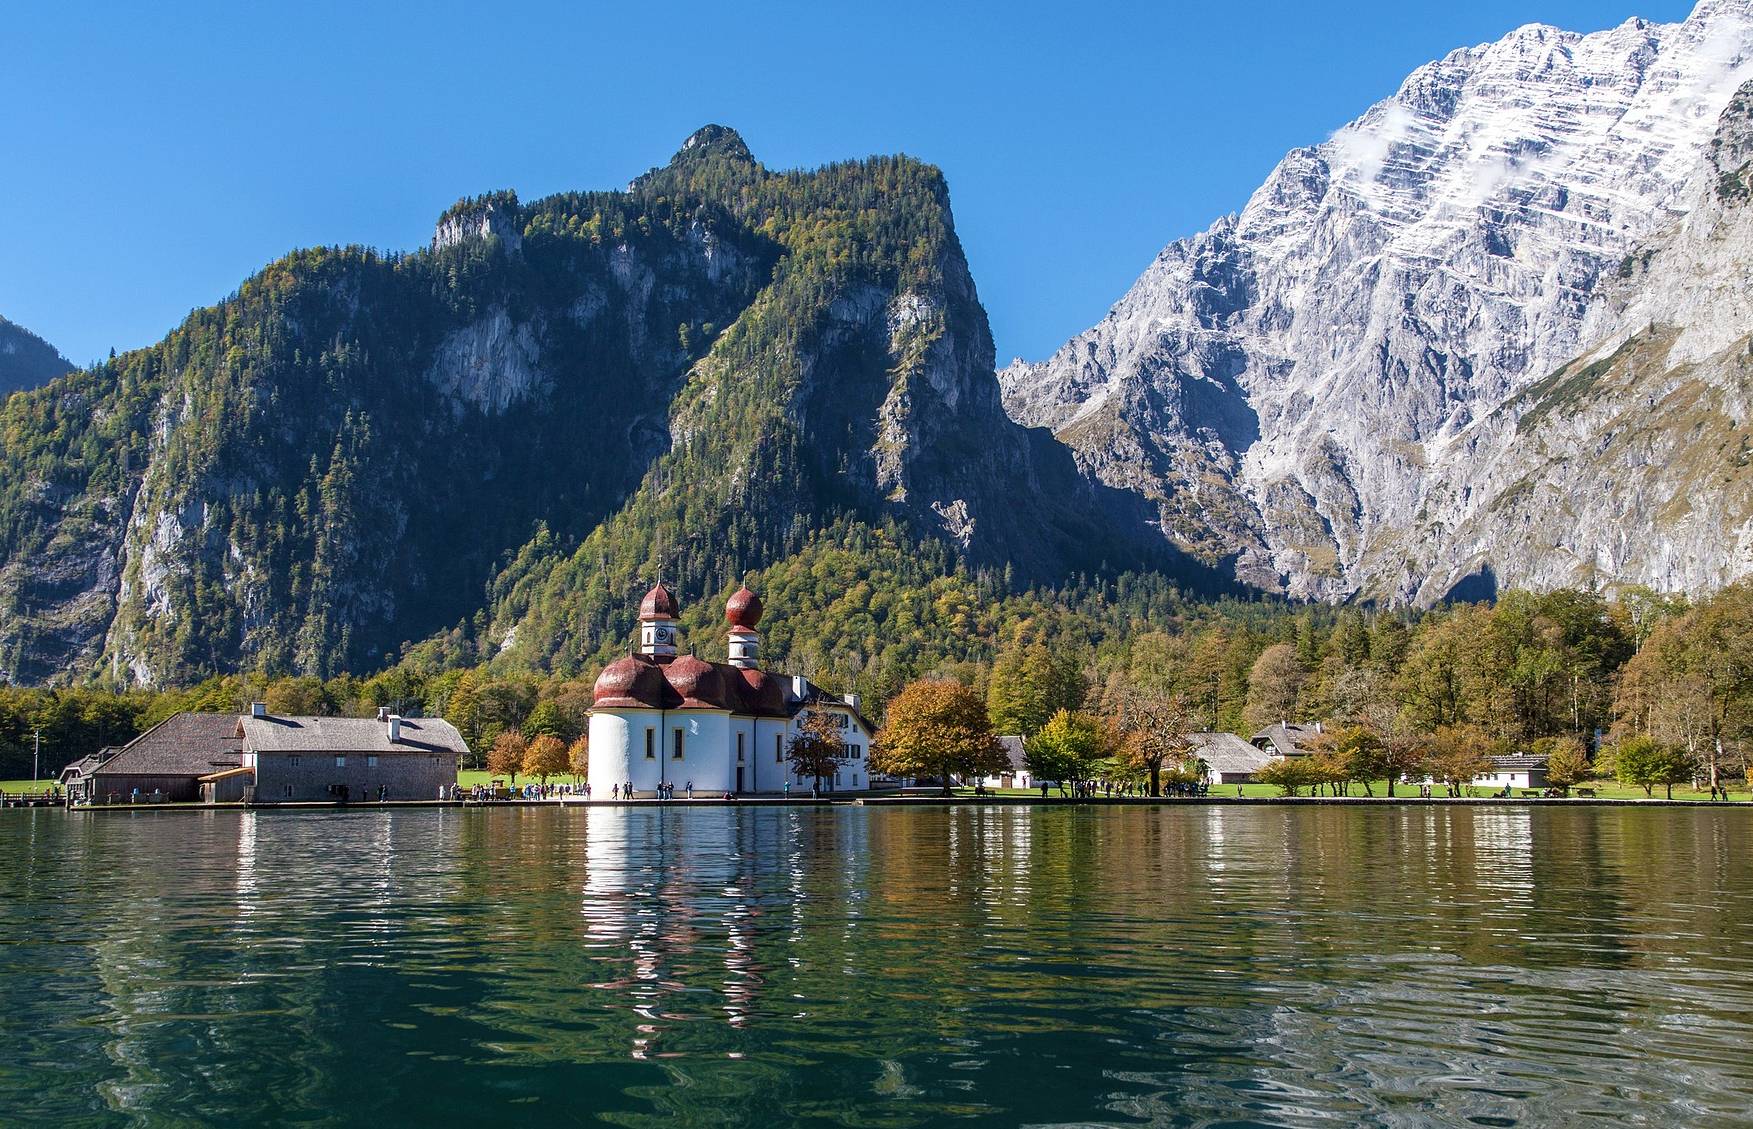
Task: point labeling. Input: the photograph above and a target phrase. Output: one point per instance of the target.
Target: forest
(859, 609)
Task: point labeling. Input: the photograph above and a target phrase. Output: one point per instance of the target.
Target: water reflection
(1001, 965)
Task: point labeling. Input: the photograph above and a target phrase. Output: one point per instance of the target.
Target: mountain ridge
(26, 360)
(1278, 385)
(501, 437)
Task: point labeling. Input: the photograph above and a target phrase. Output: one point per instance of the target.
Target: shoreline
(922, 801)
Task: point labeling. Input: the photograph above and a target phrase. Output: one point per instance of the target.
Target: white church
(660, 717)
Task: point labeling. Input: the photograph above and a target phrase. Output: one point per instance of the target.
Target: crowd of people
(1108, 789)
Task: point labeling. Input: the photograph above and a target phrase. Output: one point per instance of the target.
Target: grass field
(1604, 789)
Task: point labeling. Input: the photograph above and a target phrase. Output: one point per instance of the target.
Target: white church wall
(705, 741)
(617, 749)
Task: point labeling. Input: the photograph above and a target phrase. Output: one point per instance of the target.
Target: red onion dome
(697, 682)
(630, 683)
(764, 695)
(743, 609)
(659, 603)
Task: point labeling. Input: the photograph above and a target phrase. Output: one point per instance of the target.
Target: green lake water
(1173, 965)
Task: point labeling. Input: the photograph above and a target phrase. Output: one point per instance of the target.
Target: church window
(677, 753)
(650, 744)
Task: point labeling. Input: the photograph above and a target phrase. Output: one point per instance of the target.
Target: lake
(1171, 965)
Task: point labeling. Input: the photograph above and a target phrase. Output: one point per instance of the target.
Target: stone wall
(285, 778)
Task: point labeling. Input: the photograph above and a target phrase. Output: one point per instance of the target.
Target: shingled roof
(348, 735)
(1290, 740)
(184, 744)
(1226, 754)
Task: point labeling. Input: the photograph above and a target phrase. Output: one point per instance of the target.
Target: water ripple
(1004, 966)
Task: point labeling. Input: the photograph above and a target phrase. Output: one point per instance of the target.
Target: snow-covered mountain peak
(1281, 384)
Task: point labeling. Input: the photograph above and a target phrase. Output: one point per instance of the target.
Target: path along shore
(922, 800)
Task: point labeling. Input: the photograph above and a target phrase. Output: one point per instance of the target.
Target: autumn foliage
(937, 728)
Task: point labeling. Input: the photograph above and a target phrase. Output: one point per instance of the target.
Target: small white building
(660, 717)
(1228, 759)
(1016, 773)
(1525, 771)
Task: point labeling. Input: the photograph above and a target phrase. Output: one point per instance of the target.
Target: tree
(1274, 686)
(1156, 727)
(293, 697)
(1567, 762)
(1030, 684)
(1353, 753)
(578, 758)
(1067, 748)
(817, 746)
(1326, 766)
(1288, 774)
(1403, 754)
(505, 758)
(546, 719)
(1458, 755)
(1644, 762)
(545, 757)
(937, 728)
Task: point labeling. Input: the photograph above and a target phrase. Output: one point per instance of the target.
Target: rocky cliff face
(510, 430)
(1295, 390)
(1632, 463)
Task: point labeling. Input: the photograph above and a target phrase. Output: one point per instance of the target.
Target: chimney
(258, 709)
(799, 687)
(383, 713)
(395, 728)
(852, 700)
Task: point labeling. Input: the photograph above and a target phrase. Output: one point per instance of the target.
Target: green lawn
(16, 786)
(469, 778)
(1604, 789)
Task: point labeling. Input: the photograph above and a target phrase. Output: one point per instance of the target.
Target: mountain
(26, 360)
(1299, 390)
(498, 441)
(1635, 459)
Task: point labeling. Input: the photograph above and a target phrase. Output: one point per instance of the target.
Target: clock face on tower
(663, 635)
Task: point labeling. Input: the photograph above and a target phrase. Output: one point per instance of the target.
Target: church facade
(661, 717)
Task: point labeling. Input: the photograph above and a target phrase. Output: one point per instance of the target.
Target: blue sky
(157, 155)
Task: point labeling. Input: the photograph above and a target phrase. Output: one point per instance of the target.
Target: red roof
(659, 603)
(688, 683)
(634, 682)
(743, 609)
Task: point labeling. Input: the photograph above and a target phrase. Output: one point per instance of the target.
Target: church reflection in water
(686, 916)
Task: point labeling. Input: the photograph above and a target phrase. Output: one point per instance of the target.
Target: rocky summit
(1493, 332)
(504, 434)
(1324, 394)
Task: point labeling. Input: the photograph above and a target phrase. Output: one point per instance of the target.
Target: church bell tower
(657, 624)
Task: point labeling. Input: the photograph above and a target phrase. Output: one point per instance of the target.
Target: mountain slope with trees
(26, 360)
(495, 442)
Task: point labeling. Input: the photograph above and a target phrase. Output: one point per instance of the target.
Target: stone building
(662, 717)
(293, 759)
